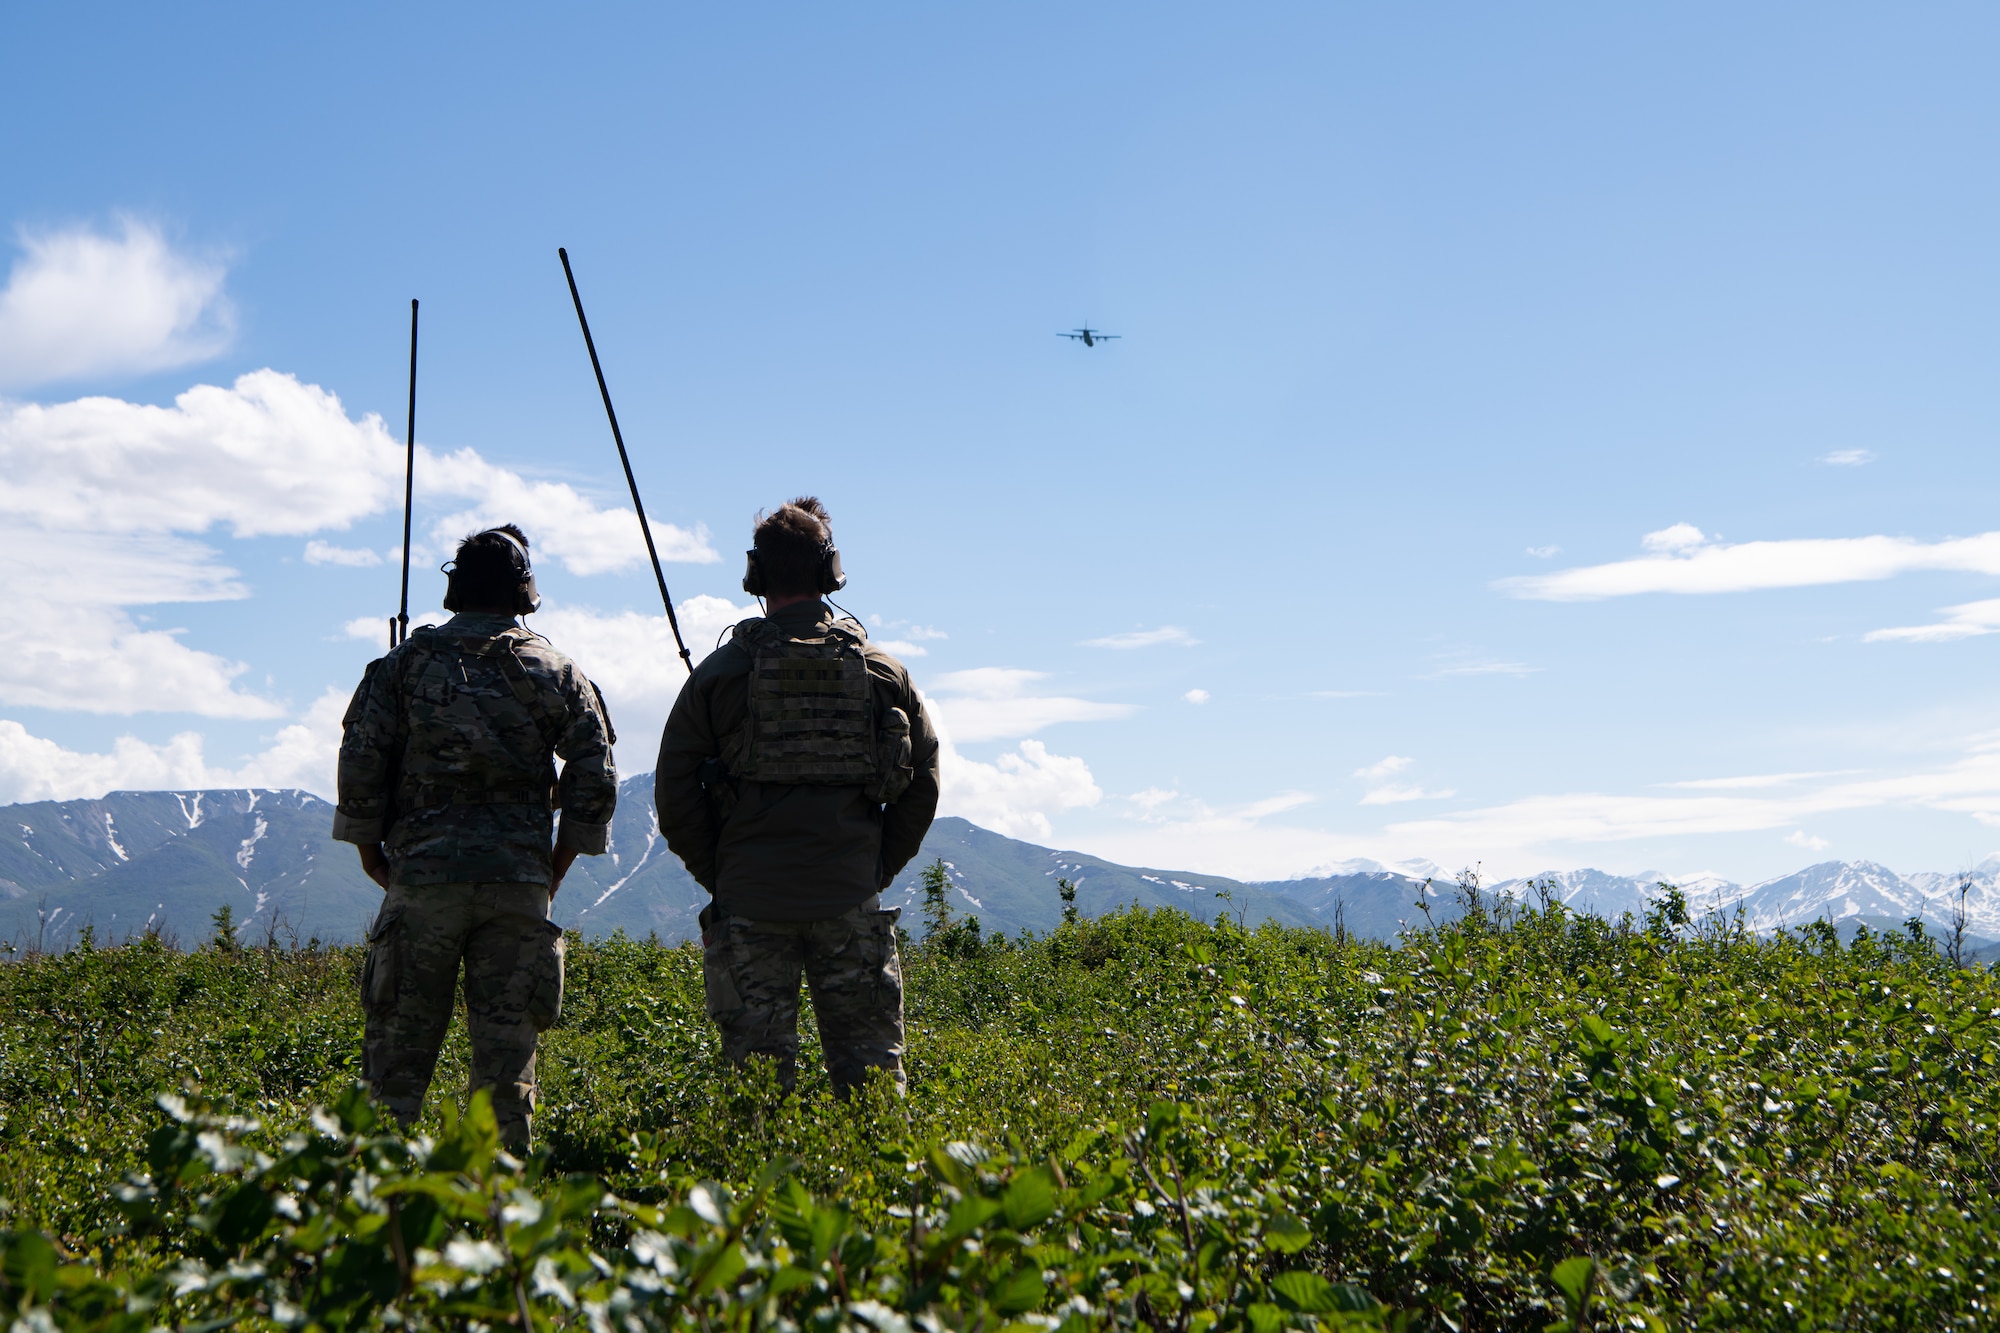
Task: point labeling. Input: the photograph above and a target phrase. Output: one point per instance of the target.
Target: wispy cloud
(1682, 559)
(995, 703)
(79, 302)
(1544, 552)
(1969, 784)
(1483, 668)
(1756, 781)
(1800, 838)
(1384, 767)
(1847, 458)
(1144, 638)
(1963, 621)
(1394, 793)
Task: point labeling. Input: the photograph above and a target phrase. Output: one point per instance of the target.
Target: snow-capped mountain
(1834, 891)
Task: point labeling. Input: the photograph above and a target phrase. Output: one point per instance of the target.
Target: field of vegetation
(1526, 1119)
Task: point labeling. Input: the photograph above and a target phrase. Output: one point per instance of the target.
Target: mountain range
(169, 861)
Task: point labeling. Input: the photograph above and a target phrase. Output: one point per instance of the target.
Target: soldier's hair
(791, 542)
(489, 568)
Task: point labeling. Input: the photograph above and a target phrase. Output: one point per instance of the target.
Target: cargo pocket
(885, 962)
(545, 1000)
(718, 981)
(384, 966)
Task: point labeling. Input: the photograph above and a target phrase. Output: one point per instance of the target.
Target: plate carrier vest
(812, 715)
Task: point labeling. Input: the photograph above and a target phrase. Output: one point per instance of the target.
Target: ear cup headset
(527, 599)
(832, 578)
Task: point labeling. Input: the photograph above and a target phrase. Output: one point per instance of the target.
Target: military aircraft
(1088, 336)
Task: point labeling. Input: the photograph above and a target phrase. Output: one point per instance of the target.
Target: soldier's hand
(563, 859)
(374, 863)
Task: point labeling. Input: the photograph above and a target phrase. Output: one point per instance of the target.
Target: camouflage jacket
(448, 753)
(781, 851)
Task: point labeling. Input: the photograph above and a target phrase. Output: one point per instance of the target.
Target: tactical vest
(458, 653)
(812, 717)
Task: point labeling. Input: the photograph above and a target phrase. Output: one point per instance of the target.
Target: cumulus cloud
(1681, 559)
(302, 754)
(1196, 696)
(1144, 638)
(1800, 838)
(1018, 792)
(994, 703)
(79, 302)
(100, 499)
(1963, 621)
(562, 522)
(326, 553)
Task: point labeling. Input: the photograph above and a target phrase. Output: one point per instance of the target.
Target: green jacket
(786, 852)
(448, 750)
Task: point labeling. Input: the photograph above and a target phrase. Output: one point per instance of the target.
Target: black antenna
(399, 628)
(645, 528)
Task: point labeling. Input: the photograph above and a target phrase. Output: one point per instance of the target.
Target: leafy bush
(1522, 1120)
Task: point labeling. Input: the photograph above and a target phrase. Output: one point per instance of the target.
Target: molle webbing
(811, 713)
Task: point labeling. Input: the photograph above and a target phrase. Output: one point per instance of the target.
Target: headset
(832, 578)
(527, 599)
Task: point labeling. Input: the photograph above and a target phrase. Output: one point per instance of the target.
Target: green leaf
(1020, 1291)
(1030, 1197)
(1286, 1234)
(1573, 1277)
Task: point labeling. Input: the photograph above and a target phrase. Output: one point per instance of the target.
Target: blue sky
(1543, 439)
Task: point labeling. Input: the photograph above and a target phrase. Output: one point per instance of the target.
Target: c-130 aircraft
(1088, 336)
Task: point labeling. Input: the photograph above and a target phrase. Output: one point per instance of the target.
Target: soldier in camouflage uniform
(797, 775)
(448, 785)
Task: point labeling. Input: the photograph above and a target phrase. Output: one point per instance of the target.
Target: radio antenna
(399, 625)
(645, 528)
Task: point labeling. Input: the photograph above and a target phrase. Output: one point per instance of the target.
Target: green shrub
(1524, 1120)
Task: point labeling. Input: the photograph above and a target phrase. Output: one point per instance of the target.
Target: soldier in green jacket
(448, 785)
(797, 775)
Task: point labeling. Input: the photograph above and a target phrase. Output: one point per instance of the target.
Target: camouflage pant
(751, 969)
(513, 956)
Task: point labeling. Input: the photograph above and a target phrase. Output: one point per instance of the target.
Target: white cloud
(1483, 667)
(992, 703)
(80, 303)
(1196, 696)
(267, 457)
(1679, 537)
(560, 521)
(95, 492)
(1017, 793)
(1392, 793)
(302, 754)
(1967, 785)
(326, 553)
(1753, 781)
(94, 659)
(1847, 458)
(632, 658)
(1544, 552)
(1395, 793)
(1799, 838)
(1389, 764)
(1683, 560)
(1144, 638)
(1963, 621)
(901, 647)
